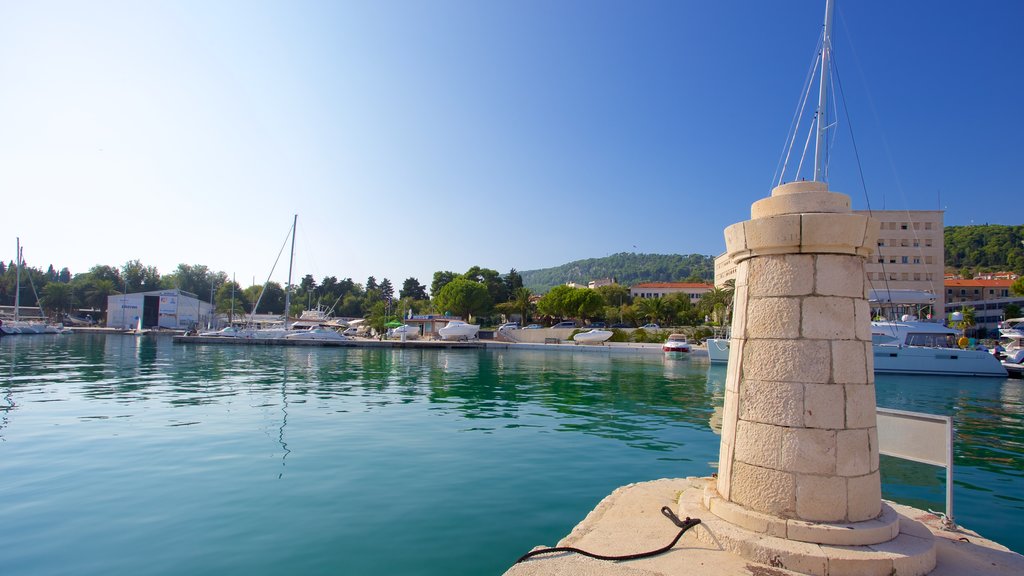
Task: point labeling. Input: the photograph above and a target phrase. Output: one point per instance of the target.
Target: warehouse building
(172, 309)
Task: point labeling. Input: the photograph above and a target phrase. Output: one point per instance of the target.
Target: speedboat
(676, 343)
(909, 346)
(320, 333)
(594, 336)
(458, 330)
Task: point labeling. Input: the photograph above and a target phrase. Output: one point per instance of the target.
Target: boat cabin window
(931, 340)
(883, 339)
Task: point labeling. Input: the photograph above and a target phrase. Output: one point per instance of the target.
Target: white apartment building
(910, 254)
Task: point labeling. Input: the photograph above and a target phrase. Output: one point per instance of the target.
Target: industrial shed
(173, 309)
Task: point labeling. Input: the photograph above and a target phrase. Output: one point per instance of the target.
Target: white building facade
(171, 309)
(910, 254)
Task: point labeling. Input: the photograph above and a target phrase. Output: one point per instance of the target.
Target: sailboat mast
(17, 284)
(820, 143)
(288, 288)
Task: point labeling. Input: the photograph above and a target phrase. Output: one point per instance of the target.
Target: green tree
(716, 305)
(272, 301)
(441, 278)
(95, 293)
(463, 297)
(615, 294)
(377, 317)
(493, 281)
(650, 309)
(100, 272)
(522, 298)
(58, 297)
(1017, 288)
(412, 288)
(231, 300)
(387, 291)
(556, 302)
(1011, 311)
(513, 281)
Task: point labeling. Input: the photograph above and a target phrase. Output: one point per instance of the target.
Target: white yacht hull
(935, 361)
(458, 331)
(718, 350)
(592, 336)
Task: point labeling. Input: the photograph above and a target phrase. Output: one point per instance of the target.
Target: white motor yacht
(913, 347)
(676, 343)
(459, 330)
(593, 336)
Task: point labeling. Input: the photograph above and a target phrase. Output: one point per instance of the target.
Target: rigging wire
(252, 315)
(794, 129)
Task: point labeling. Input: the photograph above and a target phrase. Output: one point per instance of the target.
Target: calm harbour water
(125, 455)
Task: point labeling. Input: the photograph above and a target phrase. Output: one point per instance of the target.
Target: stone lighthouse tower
(798, 485)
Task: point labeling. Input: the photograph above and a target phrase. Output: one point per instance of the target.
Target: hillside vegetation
(627, 267)
(991, 247)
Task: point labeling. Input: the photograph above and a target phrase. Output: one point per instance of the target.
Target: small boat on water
(676, 343)
(458, 330)
(319, 333)
(594, 336)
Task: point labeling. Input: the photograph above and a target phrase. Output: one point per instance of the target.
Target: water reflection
(645, 403)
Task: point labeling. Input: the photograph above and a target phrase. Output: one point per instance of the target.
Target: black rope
(684, 525)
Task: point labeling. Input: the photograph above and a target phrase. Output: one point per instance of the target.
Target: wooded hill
(989, 247)
(627, 267)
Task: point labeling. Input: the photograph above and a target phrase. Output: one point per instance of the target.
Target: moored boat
(593, 336)
(676, 343)
(718, 350)
(458, 330)
(928, 348)
(319, 333)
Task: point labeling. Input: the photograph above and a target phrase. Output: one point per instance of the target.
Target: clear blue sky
(415, 136)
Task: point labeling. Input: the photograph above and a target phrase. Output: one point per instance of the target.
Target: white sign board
(924, 438)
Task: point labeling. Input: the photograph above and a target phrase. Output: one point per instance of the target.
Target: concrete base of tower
(629, 520)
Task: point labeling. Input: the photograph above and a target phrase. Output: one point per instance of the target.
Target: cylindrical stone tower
(798, 485)
(799, 439)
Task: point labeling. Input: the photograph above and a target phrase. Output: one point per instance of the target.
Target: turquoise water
(138, 456)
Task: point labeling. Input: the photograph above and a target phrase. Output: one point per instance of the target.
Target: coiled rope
(683, 525)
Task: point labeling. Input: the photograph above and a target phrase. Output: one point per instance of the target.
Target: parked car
(597, 325)
(509, 326)
(566, 324)
(533, 327)
(621, 325)
(651, 326)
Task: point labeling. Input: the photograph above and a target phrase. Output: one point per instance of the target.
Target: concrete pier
(798, 489)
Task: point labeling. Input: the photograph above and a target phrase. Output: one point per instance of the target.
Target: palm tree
(57, 296)
(967, 321)
(717, 303)
(521, 297)
(651, 309)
